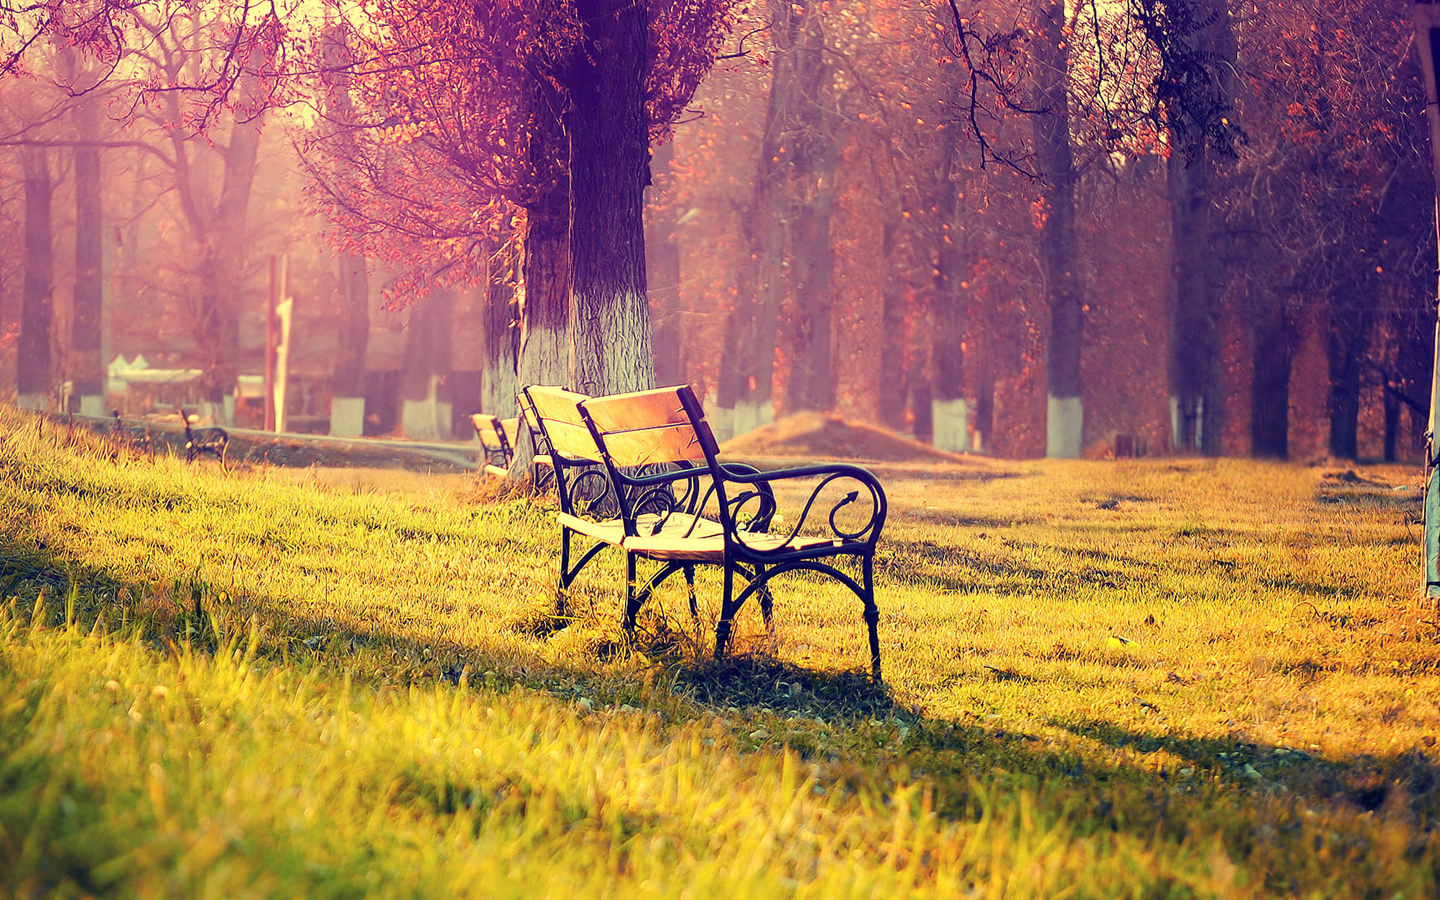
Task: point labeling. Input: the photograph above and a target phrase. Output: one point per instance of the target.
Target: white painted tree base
(722, 422)
(750, 416)
(33, 402)
(425, 420)
(347, 416)
(1175, 414)
(950, 425)
(1064, 427)
(92, 405)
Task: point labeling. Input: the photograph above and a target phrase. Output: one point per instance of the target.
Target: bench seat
(710, 548)
(676, 527)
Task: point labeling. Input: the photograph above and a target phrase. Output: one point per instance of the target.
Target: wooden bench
(497, 444)
(495, 450)
(591, 510)
(667, 426)
(652, 441)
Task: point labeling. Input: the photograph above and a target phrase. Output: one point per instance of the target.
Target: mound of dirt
(817, 435)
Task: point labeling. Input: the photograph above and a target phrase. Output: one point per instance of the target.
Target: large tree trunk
(223, 268)
(893, 383)
(662, 259)
(812, 260)
(1347, 344)
(1270, 387)
(87, 365)
(609, 155)
(1196, 391)
(425, 409)
(747, 369)
(33, 353)
(1194, 336)
(545, 272)
(347, 380)
(1064, 420)
(502, 344)
(949, 412)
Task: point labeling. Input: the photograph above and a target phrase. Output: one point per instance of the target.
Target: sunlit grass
(1151, 679)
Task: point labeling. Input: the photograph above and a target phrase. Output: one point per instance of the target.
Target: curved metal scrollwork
(865, 533)
(593, 494)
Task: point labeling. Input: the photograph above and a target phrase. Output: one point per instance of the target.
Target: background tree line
(1022, 228)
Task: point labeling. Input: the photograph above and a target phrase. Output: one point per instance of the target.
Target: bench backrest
(557, 414)
(647, 430)
(532, 424)
(574, 456)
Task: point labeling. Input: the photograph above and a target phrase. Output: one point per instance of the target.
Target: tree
(1050, 66)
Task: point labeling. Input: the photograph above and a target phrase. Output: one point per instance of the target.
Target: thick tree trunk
(949, 417)
(1194, 337)
(747, 371)
(893, 384)
(812, 264)
(502, 345)
(1270, 387)
(1196, 392)
(662, 260)
(223, 266)
(1347, 344)
(609, 155)
(87, 365)
(425, 409)
(1064, 420)
(347, 380)
(33, 373)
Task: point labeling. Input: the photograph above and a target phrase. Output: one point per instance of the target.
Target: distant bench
(641, 472)
(497, 444)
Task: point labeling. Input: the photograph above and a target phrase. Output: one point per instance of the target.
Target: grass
(1150, 679)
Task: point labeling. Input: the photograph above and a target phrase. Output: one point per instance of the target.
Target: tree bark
(1270, 387)
(608, 163)
(1196, 392)
(33, 374)
(893, 383)
(222, 265)
(1058, 246)
(502, 345)
(812, 260)
(1347, 344)
(949, 412)
(87, 367)
(425, 412)
(747, 373)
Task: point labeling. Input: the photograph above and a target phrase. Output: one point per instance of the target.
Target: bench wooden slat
(572, 441)
(670, 444)
(555, 404)
(640, 409)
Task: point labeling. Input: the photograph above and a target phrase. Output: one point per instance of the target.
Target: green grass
(1151, 679)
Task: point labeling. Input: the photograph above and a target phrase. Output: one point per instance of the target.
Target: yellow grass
(1153, 678)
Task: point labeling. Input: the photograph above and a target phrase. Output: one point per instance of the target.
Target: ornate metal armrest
(867, 532)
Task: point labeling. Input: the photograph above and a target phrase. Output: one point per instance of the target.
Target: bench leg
(632, 600)
(690, 584)
(767, 601)
(727, 613)
(872, 616)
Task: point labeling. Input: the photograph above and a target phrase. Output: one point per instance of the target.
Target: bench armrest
(850, 485)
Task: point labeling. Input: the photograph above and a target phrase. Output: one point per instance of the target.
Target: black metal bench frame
(668, 427)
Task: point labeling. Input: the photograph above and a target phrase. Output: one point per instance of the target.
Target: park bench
(664, 496)
(497, 444)
(495, 450)
(667, 427)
